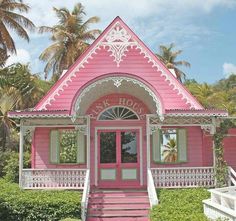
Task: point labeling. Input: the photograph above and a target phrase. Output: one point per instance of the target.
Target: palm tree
(71, 36)
(170, 153)
(168, 57)
(8, 100)
(29, 86)
(12, 20)
(202, 92)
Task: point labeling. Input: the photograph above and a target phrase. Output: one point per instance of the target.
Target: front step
(114, 205)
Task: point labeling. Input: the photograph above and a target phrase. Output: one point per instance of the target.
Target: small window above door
(118, 113)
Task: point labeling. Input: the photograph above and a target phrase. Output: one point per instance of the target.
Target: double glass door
(118, 158)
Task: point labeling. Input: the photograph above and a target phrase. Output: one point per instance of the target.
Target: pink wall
(134, 63)
(207, 152)
(230, 148)
(195, 151)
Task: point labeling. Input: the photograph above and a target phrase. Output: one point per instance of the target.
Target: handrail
(232, 176)
(85, 197)
(151, 190)
(56, 169)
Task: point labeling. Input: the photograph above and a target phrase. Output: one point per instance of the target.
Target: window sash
(181, 140)
(56, 148)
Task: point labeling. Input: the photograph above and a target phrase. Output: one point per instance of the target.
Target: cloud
(22, 56)
(229, 68)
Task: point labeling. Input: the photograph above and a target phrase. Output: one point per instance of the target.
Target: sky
(204, 29)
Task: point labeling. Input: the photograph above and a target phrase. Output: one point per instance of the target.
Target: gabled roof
(118, 46)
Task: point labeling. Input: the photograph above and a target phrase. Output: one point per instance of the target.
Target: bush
(4, 156)
(36, 205)
(11, 168)
(181, 204)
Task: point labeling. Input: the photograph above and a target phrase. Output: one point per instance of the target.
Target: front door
(118, 158)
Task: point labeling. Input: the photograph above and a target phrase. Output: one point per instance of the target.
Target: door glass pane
(128, 147)
(108, 147)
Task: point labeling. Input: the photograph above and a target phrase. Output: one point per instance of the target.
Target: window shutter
(54, 146)
(182, 145)
(156, 152)
(81, 148)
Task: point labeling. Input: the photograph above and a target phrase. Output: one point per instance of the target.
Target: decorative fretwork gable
(118, 39)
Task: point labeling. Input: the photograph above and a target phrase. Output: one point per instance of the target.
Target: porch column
(88, 142)
(148, 141)
(21, 152)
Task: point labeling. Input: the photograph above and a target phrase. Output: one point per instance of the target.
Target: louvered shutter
(156, 152)
(182, 145)
(54, 146)
(81, 148)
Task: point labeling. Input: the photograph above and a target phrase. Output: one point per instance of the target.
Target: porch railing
(53, 178)
(178, 177)
(152, 195)
(85, 197)
(232, 176)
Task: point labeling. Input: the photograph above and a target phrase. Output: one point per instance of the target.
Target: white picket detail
(232, 176)
(85, 197)
(179, 177)
(53, 178)
(152, 195)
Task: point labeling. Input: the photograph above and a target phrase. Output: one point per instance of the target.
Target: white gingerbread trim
(117, 81)
(118, 39)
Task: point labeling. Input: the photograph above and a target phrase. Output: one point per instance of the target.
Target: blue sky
(203, 29)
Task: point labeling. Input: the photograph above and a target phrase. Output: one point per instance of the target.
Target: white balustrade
(222, 204)
(151, 190)
(53, 178)
(232, 176)
(85, 197)
(178, 177)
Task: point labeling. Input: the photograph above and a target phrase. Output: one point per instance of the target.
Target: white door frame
(140, 149)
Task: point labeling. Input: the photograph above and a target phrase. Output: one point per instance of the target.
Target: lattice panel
(53, 179)
(181, 120)
(183, 177)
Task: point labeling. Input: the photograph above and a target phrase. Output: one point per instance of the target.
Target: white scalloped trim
(117, 40)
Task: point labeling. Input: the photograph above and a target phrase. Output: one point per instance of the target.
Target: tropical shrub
(11, 168)
(4, 156)
(180, 204)
(36, 205)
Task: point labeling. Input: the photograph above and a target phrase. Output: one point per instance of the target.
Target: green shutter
(81, 148)
(182, 145)
(156, 152)
(54, 146)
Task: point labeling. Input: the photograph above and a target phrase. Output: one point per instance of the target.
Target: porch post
(148, 141)
(21, 153)
(88, 142)
(213, 131)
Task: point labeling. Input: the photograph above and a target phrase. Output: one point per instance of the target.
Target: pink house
(118, 118)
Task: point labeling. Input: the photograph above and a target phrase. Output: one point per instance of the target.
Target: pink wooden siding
(42, 145)
(194, 150)
(230, 148)
(207, 152)
(134, 63)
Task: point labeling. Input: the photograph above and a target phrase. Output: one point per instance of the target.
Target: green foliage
(180, 204)
(35, 205)
(221, 165)
(220, 95)
(4, 156)
(68, 146)
(11, 168)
